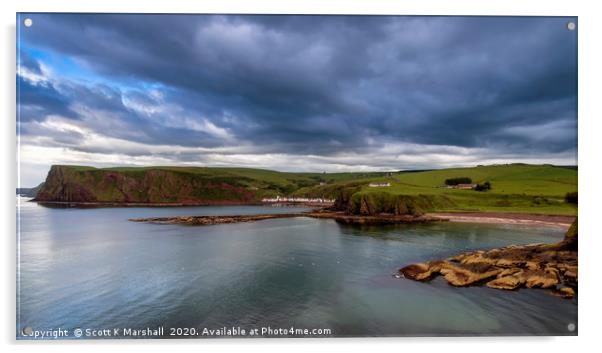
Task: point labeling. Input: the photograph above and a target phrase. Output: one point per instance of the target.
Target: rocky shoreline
(548, 266)
(324, 214)
(211, 220)
(344, 217)
(100, 204)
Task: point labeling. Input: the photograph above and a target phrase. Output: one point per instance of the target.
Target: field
(166, 184)
(514, 187)
(270, 182)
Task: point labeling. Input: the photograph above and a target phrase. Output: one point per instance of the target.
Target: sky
(294, 93)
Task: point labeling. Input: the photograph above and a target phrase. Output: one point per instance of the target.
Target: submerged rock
(565, 292)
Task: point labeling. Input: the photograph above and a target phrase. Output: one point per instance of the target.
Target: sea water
(93, 269)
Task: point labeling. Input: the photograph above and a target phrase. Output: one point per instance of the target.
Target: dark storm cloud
(39, 100)
(321, 84)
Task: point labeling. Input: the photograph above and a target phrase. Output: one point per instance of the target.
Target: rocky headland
(75, 185)
(548, 266)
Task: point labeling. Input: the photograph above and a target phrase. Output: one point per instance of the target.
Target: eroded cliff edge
(141, 185)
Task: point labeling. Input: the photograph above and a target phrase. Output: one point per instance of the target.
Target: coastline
(173, 204)
(139, 204)
(547, 266)
(510, 218)
(563, 222)
(337, 216)
(560, 221)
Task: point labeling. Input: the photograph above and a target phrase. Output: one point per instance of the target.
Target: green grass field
(266, 183)
(515, 187)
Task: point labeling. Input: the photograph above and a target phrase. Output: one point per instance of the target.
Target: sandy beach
(506, 218)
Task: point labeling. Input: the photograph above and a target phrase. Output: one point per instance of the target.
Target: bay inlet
(92, 268)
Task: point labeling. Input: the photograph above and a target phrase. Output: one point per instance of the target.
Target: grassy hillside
(268, 182)
(515, 188)
(177, 184)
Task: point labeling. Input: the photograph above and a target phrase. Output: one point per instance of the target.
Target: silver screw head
(571, 26)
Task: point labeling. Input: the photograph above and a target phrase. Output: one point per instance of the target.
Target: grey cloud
(324, 84)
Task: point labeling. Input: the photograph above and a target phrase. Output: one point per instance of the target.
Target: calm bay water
(92, 268)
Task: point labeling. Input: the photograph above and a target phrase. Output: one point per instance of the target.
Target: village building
(465, 186)
(379, 185)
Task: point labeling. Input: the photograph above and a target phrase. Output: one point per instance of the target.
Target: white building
(297, 200)
(379, 185)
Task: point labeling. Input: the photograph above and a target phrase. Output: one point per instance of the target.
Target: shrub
(483, 187)
(571, 197)
(374, 203)
(456, 181)
(538, 200)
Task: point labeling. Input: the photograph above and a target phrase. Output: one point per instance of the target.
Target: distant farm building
(464, 186)
(379, 185)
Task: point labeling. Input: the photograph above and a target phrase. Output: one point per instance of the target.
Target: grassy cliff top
(514, 187)
(249, 173)
(543, 180)
(538, 180)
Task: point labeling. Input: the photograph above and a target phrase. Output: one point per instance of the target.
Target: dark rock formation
(337, 216)
(211, 220)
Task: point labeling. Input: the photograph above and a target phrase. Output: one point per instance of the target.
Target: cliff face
(75, 184)
(355, 202)
(570, 241)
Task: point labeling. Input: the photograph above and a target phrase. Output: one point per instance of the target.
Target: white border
(589, 160)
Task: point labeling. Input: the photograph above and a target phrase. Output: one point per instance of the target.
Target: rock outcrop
(212, 220)
(353, 201)
(548, 266)
(337, 216)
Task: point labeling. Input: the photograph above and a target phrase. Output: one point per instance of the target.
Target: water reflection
(92, 267)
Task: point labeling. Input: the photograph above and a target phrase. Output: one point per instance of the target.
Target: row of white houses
(297, 199)
(379, 185)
